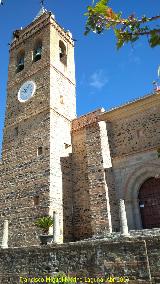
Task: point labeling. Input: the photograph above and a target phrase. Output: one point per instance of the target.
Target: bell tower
(39, 111)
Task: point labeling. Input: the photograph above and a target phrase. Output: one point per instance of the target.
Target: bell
(20, 64)
(38, 52)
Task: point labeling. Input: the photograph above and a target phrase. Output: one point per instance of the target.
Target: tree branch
(141, 33)
(132, 21)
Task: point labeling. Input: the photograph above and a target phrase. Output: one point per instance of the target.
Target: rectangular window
(61, 100)
(39, 151)
(140, 133)
(36, 200)
(16, 131)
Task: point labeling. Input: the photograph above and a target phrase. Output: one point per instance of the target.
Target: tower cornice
(31, 29)
(36, 27)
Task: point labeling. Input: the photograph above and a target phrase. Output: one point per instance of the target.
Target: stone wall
(62, 76)
(23, 178)
(67, 198)
(91, 155)
(130, 172)
(133, 135)
(60, 173)
(122, 143)
(32, 184)
(137, 260)
(134, 127)
(62, 111)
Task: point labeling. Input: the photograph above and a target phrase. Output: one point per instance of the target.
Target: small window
(140, 133)
(39, 151)
(36, 200)
(61, 100)
(20, 61)
(62, 53)
(37, 53)
(67, 145)
(16, 131)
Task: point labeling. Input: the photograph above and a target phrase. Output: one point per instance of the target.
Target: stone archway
(149, 201)
(131, 191)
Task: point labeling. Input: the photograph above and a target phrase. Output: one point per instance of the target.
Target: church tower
(35, 168)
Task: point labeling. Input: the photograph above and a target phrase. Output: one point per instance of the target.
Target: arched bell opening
(62, 52)
(37, 52)
(20, 61)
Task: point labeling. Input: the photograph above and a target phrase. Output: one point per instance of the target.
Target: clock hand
(29, 88)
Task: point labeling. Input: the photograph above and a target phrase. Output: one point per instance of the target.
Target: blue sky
(105, 77)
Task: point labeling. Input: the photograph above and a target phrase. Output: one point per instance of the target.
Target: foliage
(159, 71)
(61, 277)
(101, 17)
(158, 152)
(44, 223)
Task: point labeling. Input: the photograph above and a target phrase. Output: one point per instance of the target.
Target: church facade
(76, 169)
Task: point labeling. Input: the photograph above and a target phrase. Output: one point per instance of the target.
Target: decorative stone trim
(25, 34)
(130, 108)
(131, 153)
(40, 23)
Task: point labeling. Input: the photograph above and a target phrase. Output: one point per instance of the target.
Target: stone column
(56, 228)
(5, 235)
(123, 218)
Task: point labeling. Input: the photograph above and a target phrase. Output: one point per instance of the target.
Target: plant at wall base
(61, 277)
(45, 223)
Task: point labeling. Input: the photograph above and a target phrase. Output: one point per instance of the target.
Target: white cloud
(98, 79)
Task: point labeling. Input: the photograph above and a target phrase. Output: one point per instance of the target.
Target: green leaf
(119, 43)
(101, 6)
(134, 38)
(118, 15)
(44, 223)
(159, 71)
(154, 39)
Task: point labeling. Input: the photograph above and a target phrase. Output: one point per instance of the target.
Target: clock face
(26, 91)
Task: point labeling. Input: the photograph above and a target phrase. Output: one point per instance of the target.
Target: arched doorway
(149, 202)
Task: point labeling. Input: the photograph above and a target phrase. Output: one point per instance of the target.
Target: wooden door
(149, 202)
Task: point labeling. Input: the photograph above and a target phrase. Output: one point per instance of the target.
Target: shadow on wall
(113, 200)
(76, 206)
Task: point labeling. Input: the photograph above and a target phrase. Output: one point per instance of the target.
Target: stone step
(132, 233)
(145, 232)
